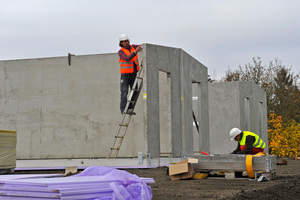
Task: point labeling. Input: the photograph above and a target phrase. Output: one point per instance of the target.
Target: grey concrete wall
(62, 111)
(198, 86)
(235, 104)
(261, 115)
(183, 70)
(167, 60)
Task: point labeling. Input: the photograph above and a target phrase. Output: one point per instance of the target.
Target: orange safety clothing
(128, 66)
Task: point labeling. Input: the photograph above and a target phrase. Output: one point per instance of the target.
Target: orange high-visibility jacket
(128, 66)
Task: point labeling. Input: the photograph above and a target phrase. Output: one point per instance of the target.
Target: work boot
(130, 112)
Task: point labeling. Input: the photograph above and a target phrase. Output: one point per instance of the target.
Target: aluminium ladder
(132, 99)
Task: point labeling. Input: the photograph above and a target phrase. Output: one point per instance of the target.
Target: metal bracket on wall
(69, 58)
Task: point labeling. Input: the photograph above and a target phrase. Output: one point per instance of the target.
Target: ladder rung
(119, 136)
(114, 148)
(131, 101)
(139, 77)
(123, 125)
(136, 90)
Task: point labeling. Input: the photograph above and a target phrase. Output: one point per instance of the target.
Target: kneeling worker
(248, 142)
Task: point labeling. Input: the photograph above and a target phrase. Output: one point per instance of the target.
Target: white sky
(218, 33)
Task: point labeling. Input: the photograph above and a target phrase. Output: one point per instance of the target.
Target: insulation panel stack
(72, 187)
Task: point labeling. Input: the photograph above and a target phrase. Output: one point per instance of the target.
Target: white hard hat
(123, 37)
(234, 132)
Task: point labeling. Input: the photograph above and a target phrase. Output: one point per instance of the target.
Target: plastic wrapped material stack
(95, 182)
(8, 140)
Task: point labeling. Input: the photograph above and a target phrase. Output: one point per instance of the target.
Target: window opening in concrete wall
(247, 112)
(165, 114)
(260, 117)
(196, 94)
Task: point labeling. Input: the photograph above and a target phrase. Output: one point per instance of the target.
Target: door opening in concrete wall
(196, 95)
(165, 114)
(247, 113)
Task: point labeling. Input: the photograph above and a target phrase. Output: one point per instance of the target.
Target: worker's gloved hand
(139, 48)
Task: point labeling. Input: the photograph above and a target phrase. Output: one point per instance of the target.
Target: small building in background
(235, 104)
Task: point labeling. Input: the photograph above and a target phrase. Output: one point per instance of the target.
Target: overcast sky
(218, 33)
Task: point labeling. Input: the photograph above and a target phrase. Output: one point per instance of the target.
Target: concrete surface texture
(235, 104)
(63, 111)
(180, 71)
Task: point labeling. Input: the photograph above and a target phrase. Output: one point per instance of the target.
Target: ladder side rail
(133, 88)
(132, 93)
(117, 144)
(121, 139)
(114, 141)
(118, 140)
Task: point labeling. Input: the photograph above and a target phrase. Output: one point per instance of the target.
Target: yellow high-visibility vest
(259, 143)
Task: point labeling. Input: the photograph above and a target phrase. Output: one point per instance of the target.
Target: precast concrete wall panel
(235, 104)
(183, 70)
(224, 114)
(261, 115)
(63, 111)
(160, 58)
(72, 111)
(195, 72)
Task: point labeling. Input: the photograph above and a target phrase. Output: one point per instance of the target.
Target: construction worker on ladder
(129, 66)
(248, 142)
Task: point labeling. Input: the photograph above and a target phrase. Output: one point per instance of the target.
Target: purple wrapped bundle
(93, 183)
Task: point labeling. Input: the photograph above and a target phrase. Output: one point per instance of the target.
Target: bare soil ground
(285, 186)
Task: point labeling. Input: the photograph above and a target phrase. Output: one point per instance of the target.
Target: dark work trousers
(127, 80)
